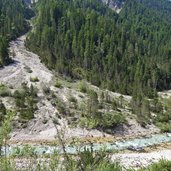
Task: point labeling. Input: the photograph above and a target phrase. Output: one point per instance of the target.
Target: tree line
(127, 52)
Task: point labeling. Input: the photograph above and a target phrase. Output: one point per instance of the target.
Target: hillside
(37, 94)
(127, 53)
(85, 84)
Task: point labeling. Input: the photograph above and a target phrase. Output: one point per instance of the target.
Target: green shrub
(58, 84)
(61, 107)
(72, 99)
(87, 122)
(164, 126)
(78, 73)
(111, 119)
(26, 102)
(103, 120)
(4, 91)
(163, 165)
(83, 87)
(26, 114)
(163, 117)
(163, 121)
(114, 104)
(34, 79)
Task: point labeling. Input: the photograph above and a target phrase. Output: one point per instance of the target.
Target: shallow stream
(137, 144)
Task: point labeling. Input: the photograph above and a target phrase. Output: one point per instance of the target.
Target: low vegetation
(3, 112)
(26, 101)
(58, 84)
(34, 79)
(4, 91)
(87, 160)
(163, 165)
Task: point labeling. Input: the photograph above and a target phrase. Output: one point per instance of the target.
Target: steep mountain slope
(128, 53)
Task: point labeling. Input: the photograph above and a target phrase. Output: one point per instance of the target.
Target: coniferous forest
(12, 24)
(129, 52)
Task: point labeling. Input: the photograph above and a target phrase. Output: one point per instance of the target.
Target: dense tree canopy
(127, 52)
(11, 24)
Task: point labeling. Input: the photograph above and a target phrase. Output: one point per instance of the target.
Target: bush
(27, 114)
(61, 107)
(87, 122)
(26, 102)
(111, 119)
(34, 79)
(163, 121)
(58, 84)
(163, 117)
(114, 104)
(78, 73)
(72, 99)
(83, 87)
(4, 91)
(102, 120)
(164, 126)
